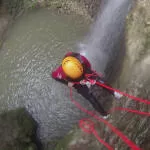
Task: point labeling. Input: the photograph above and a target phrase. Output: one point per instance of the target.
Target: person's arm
(103, 81)
(111, 91)
(58, 75)
(62, 81)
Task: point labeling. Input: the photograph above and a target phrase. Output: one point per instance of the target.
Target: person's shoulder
(68, 54)
(86, 61)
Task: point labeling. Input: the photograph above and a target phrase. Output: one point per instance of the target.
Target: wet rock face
(4, 21)
(14, 7)
(134, 80)
(86, 8)
(78, 140)
(135, 75)
(92, 6)
(17, 130)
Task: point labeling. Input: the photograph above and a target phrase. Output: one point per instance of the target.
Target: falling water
(103, 44)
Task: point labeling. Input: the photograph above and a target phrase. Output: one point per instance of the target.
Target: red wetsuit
(58, 74)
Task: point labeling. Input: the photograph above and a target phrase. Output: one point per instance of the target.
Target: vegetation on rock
(17, 130)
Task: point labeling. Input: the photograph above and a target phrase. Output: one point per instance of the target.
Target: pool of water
(34, 46)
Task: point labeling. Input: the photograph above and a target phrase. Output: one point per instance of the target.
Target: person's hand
(70, 84)
(59, 76)
(106, 117)
(117, 95)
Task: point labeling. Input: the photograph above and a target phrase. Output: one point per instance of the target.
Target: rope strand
(124, 138)
(114, 129)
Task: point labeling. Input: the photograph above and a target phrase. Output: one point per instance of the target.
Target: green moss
(147, 42)
(63, 143)
(31, 4)
(18, 130)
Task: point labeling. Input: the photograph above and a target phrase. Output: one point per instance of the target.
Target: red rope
(88, 126)
(115, 90)
(91, 129)
(114, 129)
(125, 94)
(102, 141)
(130, 110)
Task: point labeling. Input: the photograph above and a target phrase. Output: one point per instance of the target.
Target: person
(74, 68)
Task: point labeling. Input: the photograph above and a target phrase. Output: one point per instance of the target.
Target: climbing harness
(88, 126)
(88, 83)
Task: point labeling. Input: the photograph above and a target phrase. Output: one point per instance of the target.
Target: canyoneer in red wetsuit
(74, 68)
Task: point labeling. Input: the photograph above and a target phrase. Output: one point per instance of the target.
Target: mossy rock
(63, 144)
(17, 130)
(76, 139)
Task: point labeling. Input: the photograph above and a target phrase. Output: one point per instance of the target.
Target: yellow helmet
(72, 67)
